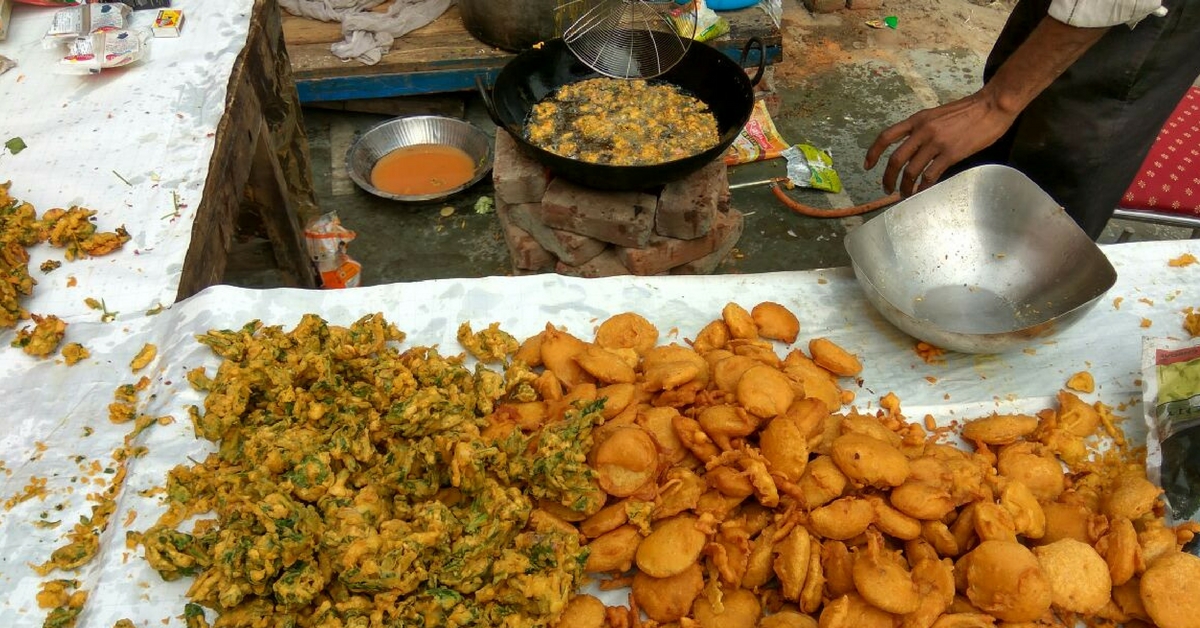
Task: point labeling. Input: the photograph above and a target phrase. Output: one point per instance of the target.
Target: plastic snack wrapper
(811, 167)
(327, 239)
(758, 139)
(703, 25)
(104, 50)
(85, 20)
(1171, 398)
(807, 166)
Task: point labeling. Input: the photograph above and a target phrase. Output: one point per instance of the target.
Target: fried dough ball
(842, 519)
(614, 551)
(923, 501)
(1028, 516)
(765, 391)
(1121, 551)
(785, 446)
(739, 321)
(714, 335)
(1004, 578)
(833, 358)
(882, 578)
(892, 522)
(787, 619)
(869, 461)
(739, 609)
(1130, 497)
(792, 562)
(760, 561)
(1000, 429)
(821, 483)
(660, 423)
(728, 371)
(1035, 467)
(935, 583)
(668, 599)
(680, 491)
(606, 366)
(724, 422)
(558, 350)
(627, 330)
(1082, 381)
(1076, 416)
(776, 322)
(583, 611)
(673, 545)
(1066, 521)
(1171, 591)
(670, 366)
(965, 620)
(626, 461)
(852, 611)
(1079, 580)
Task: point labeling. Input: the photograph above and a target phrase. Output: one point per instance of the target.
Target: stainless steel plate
(410, 131)
(984, 262)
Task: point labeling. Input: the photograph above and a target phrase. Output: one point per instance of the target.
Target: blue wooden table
(443, 57)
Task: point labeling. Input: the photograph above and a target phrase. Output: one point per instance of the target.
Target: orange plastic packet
(758, 140)
(327, 239)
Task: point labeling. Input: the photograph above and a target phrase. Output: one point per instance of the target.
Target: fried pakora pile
(359, 485)
(741, 492)
(622, 122)
(21, 228)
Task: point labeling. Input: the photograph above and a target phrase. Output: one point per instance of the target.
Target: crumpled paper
(368, 35)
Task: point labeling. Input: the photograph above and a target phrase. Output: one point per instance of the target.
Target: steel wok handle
(751, 44)
(486, 93)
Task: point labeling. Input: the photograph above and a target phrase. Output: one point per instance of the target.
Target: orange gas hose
(816, 212)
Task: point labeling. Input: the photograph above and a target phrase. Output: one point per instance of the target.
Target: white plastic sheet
(48, 405)
(127, 143)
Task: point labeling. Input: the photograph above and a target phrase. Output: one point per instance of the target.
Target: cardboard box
(168, 23)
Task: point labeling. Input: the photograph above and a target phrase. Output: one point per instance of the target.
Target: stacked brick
(553, 225)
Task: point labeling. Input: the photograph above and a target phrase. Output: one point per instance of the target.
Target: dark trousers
(1084, 138)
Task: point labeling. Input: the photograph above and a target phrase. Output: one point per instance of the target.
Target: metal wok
(704, 72)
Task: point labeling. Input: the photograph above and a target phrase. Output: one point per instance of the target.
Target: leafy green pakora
(353, 485)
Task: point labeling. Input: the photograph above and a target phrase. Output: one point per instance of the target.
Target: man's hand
(936, 139)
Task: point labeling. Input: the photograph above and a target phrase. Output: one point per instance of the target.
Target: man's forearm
(1050, 49)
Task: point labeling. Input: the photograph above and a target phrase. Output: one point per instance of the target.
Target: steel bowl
(410, 131)
(983, 262)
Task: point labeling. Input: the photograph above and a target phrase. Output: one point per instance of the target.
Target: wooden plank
(444, 57)
(262, 112)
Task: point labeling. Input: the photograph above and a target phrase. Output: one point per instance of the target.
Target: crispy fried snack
(354, 478)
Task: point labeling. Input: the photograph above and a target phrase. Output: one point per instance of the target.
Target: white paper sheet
(51, 403)
(121, 143)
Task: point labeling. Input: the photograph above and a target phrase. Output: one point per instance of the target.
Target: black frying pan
(704, 72)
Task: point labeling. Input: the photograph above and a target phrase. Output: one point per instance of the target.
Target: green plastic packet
(1171, 398)
(811, 167)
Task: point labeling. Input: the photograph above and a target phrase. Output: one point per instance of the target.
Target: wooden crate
(443, 57)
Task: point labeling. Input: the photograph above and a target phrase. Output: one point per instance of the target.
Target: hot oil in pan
(422, 169)
(622, 122)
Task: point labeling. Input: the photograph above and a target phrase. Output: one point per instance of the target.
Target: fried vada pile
(721, 484)
(742, 491)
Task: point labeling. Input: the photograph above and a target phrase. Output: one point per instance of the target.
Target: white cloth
(368, 35)
(50, 409)
(1104, 13)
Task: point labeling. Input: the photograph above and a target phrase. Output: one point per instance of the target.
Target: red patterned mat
(1169, 181)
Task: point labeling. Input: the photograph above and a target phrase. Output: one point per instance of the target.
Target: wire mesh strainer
(624, 38)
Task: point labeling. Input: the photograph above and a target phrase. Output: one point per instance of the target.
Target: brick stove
(551, 224)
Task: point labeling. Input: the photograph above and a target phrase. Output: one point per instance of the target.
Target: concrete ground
(840, 83)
